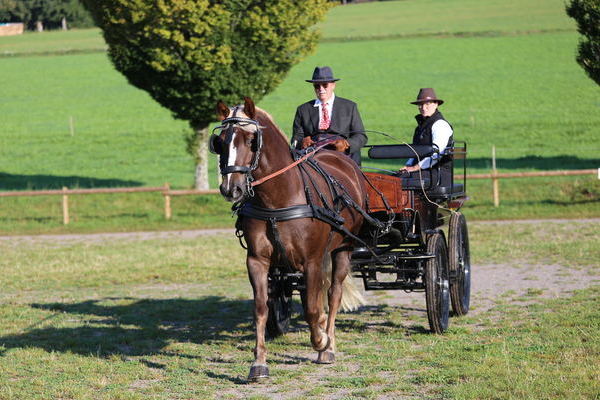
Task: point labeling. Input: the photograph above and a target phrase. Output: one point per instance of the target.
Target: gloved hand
(341, 145)
(307, 142)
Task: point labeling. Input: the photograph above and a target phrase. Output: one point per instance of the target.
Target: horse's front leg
(313, 307)
(258, 270)
(340, 269)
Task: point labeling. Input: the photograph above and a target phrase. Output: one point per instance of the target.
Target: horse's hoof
(258, 372)
(326, 357)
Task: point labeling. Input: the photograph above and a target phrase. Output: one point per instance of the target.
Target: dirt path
(491, 283)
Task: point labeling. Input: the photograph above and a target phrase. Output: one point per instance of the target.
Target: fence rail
(168, 193)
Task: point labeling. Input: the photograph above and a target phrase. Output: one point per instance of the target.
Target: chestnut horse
(251, 147)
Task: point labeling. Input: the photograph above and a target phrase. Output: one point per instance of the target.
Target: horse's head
(238, 145)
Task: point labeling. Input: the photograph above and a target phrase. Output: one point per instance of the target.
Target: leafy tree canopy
(587, 15)
(187, 54)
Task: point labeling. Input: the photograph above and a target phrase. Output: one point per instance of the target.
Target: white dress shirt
(440, 133)
(328, 104)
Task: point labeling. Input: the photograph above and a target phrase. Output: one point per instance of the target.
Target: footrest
(457, 190)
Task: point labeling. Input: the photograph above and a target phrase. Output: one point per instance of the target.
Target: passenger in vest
(330, 115)
(432, 129)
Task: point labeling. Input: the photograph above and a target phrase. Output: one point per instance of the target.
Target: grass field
(171, 319)
(508, 81)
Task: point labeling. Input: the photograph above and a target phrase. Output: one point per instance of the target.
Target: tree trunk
(199, 148)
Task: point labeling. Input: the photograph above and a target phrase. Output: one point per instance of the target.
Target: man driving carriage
(329, 114)
(432, 129)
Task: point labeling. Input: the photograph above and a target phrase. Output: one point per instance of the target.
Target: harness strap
(273, 215)
(279, 214)
(292, 165)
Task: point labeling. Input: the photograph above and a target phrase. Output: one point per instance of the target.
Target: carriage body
(426, 248)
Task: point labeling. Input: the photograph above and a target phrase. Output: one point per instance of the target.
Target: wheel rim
(443, 295)
(464, 272)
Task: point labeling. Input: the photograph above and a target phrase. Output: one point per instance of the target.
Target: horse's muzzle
(232, 191)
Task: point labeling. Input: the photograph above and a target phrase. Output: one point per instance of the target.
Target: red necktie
(324, 124)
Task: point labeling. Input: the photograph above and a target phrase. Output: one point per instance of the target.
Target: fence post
(65, 206)
(167, 201)
(495, 190)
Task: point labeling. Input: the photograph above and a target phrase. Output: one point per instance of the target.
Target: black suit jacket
(345, 121)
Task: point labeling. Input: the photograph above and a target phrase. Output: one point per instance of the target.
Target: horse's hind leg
(340, 270)
(257, 272)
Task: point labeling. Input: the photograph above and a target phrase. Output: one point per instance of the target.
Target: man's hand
(307, 142)
(410, 169)
(341, 145)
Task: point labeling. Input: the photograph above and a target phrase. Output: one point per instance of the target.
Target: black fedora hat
(425, 95)
(322, 74)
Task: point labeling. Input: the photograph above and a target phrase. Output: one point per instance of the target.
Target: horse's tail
(352, 297)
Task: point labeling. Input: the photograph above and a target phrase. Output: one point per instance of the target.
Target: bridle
(216, 146)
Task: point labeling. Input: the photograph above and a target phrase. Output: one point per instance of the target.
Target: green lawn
(72, 120)
(443, 17)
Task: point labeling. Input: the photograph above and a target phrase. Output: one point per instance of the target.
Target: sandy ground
(489, 282)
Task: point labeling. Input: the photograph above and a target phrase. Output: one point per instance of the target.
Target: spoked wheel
(437, 286)
(280, 308)
(459, 264)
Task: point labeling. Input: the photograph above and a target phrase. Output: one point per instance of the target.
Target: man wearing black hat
(432, 129)
(329, 114)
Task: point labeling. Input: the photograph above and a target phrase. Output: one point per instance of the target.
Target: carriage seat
(390, 151)
(410, 151)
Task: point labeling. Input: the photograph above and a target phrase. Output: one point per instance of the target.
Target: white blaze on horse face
(232, 151)
(231, 157)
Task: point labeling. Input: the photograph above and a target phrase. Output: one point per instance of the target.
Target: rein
(292, 165)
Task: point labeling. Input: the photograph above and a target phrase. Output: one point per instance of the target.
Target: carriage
(426, 249)
(310, 218)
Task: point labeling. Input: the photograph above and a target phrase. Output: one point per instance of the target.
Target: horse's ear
(222, 110)
(249, 108)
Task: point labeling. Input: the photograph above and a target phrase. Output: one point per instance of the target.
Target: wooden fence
(65, 193)
(168, 193)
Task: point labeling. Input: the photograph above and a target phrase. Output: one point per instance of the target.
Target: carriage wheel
(437, 291)
(459, 264)
(280, 309)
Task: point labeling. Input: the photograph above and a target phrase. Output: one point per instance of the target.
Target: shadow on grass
(141, 327)
(563, 162)
(50, 182)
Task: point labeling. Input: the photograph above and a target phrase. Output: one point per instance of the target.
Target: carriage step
(364, 255)
(410, 286)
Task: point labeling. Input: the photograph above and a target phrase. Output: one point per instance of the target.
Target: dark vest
(423, 135)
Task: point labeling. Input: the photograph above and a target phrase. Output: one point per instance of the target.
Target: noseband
(216, 147)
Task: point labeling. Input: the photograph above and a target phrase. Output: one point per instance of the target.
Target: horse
(292, 214)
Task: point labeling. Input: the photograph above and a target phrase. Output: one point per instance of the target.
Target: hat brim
(322, 80)
(439, 101)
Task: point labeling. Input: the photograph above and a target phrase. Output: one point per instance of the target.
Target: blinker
(215, 144)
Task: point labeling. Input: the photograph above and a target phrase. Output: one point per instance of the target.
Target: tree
(188, 54)
(587, 15)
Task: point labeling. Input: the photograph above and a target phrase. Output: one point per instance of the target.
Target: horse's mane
(260, 113)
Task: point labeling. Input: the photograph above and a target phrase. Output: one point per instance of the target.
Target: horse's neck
(286, 189)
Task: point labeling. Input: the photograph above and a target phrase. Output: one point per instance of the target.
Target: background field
(509, 80)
